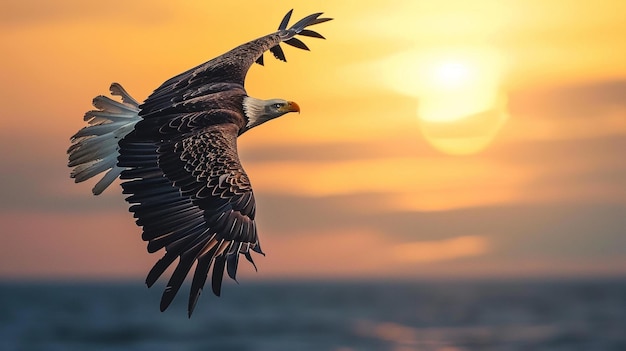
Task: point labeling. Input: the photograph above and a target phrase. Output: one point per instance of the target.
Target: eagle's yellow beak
(292, 107)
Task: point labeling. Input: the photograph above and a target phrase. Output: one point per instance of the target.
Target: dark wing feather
(218, 274)
(228, 70)
(260, 60)
(285, 21)
(199, 279)
(278, 53)
(192, 197)
(297, 43)
(310, 33)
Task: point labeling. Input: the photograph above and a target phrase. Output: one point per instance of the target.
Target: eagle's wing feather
(193, 198)
(228, 70)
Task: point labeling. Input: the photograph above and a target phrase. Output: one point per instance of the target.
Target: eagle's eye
(277, 106)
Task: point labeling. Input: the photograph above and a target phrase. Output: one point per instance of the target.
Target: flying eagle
(177, 157)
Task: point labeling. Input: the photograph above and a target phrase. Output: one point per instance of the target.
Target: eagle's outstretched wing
(193, 198)
(187, 187)
(228, 71)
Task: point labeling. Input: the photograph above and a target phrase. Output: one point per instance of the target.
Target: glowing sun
(460, 103)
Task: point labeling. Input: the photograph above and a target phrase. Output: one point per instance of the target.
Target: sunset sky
(437, 138)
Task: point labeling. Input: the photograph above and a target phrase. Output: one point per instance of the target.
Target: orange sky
(436, 139)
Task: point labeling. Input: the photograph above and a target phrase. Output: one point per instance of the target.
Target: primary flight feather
(177, 156)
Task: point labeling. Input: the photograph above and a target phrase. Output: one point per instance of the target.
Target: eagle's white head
(260, 111)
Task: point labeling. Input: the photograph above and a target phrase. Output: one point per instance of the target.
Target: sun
(451, 74)
(455, 85)
(461, 106)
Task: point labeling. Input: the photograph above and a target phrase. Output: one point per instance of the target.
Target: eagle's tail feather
(95, 147)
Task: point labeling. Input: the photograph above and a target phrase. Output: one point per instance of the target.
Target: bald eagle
(177, 157)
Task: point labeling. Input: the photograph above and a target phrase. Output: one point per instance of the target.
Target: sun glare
(454, 85)
(451, 74)
(456, 90)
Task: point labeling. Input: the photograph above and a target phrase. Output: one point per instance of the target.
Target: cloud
(401, 146)
(539, 172)
(557, 232)
(340, 236)
(441, 250)
(86, 245)
(554, 232)
(426, 179)
(360, 252)
(19, 14)
(346, 252)
(574, 111)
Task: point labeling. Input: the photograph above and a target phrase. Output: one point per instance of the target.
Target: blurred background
(455, 181)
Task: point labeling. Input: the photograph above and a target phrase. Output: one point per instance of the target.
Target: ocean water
(524, 315)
